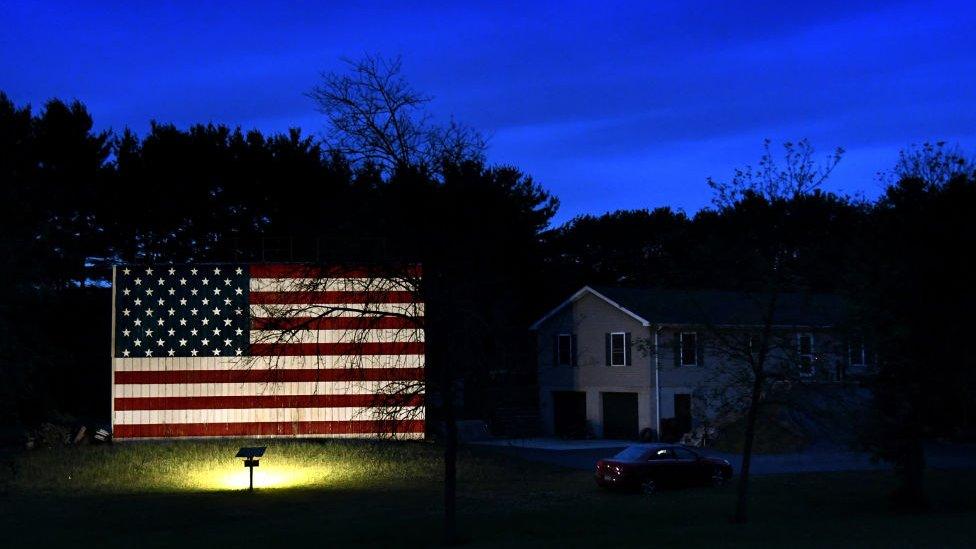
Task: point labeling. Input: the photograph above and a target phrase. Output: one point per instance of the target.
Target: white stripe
(395, 335)
(309, 362)
(136, 390)
(251, 415)
(330, 285)
(336, 309)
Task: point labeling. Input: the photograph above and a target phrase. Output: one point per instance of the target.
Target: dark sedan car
(649, 467)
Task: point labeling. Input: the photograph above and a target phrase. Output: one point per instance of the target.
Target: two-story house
(613, 362)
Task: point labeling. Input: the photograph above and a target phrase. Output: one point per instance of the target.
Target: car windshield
(631, 453)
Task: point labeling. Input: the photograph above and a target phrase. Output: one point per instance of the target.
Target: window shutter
(608, 348)
(555, 350)
(700, 343)
(627, 348)
(573, 350)
(676, 348)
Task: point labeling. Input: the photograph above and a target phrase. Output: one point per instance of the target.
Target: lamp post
(251, 457)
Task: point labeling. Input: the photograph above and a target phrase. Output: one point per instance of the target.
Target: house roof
(662, 306)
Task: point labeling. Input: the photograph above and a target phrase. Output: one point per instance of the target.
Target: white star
(205, 301)
(149, 291)
(160, 342)
(237, 311)
(125, 352)
(149, 312)
(216, 311)
(216, 291)
(171, 352)
(161, 281)
(193, 271)
(226, 343)
(182, 282)
(226, 301)
(138, 281)
(137, 343)
(193, 331)
(182, 301)
(171, 271)
(148, 352)
(238, 291)
(204, 281)
(138, 322)
(237, 351)
(216, 331)
(126, 271)
(193, 311)
(227, 322)
(149, 271)
(125, 312)
(171, 332)
(149, 332)
(239, 271)
(171, 291)
(238, 331)
(226, 282)
(193, 291)
(193, 352)
(205, 321)
(205, 342)
(161, 301)
(182, 322)
(126, 291)
(171, 311)
(125, 333)
(216, 352)
(160, 321)
(138, 301)
(182, 343)
(216, 270)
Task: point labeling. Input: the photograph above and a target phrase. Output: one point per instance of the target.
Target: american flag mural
(210, 350)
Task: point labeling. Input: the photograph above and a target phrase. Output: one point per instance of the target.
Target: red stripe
(270, 428)
(337, 323)
(311, 271)
(311, 298)
(268, 376)
(267, 401)
(331, 349)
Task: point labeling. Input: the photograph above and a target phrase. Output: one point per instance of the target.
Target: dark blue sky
(632, 105)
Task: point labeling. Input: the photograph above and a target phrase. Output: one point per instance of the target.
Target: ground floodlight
(251, 457)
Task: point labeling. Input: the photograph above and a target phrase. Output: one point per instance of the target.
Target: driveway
(584, 454)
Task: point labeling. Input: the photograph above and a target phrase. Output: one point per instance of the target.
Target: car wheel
(718, 478)
(648, 487)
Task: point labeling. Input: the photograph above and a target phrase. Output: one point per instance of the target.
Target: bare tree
(375, 116)
(756, 361)
(797, 175)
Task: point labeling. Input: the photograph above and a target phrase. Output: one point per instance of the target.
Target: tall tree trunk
(450, 458)
(742, 496)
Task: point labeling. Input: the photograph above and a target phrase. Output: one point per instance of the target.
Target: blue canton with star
(181, 311)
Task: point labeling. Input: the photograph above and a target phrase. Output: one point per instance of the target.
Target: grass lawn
(355, 493)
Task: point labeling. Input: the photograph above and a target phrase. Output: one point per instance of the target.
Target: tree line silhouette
(76, 200)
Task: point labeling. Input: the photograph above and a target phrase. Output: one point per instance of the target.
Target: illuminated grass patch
(211, 466)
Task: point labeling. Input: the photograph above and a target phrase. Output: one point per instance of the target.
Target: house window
(564, 349)
(689, 348)
(804, 351)
(856, 351)
(618, 349)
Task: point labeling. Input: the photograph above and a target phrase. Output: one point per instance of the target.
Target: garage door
(569, 413)
(620, 415)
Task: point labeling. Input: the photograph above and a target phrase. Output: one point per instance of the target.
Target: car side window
(683, 453)
(662, 453)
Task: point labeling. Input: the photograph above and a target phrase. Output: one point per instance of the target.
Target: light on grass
(251, 457)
